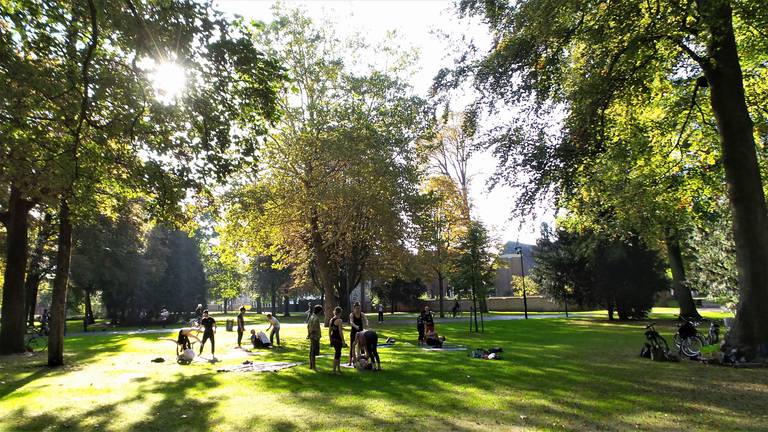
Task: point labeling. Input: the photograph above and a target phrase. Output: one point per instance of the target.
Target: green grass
(580, 374)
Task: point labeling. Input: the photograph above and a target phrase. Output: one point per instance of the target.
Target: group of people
(363, 342)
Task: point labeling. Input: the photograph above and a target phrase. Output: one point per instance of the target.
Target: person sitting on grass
(362, 363)
(367, 342)
(433, 339)
(274, 324)
(313, 334)
(209, 331)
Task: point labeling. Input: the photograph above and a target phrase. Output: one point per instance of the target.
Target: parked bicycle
(659, 349)
(36, 338)
(687, 339)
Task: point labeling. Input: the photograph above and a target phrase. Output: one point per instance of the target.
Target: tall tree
(581, 55)
(473, 269)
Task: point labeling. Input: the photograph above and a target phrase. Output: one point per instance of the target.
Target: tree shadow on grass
(179, 408)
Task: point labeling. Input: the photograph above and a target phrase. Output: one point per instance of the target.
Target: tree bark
(258, 305)
(286, 306)
(679, 284)
(322, 267)
(274, 301)
(745, 188)
(12, 322)
(89, 318)
(60, 282)
(35, 271)
(441, 288)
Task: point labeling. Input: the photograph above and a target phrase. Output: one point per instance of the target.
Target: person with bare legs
(336, 333)
(357, 322)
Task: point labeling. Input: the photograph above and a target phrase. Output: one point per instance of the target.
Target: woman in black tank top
(357, 323)
(336, 334)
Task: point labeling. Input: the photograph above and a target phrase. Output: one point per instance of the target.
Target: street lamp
(519, 251)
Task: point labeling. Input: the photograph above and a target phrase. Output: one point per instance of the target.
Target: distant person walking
(456, 308)
(336, 334)
(199, 314)
(357, 322)
(313, 334)
(240, 326)
(380, 309)
(274, 325)
(209, 330)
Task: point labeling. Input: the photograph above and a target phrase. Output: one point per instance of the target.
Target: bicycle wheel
(691, 346)
(37, 343)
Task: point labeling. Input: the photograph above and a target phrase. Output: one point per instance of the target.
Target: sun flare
(168, 80)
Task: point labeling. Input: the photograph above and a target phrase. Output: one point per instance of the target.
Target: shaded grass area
(577, 374)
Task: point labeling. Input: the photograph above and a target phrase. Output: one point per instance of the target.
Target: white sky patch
(418, 24)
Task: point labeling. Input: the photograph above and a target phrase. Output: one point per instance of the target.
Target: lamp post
(519, 250)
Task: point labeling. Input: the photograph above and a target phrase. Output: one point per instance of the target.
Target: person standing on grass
(274, 324)
(336, 333)
(420, 328)
(240, 326)
(313, 334)
(428, 318)
(456, 308)
(209, 330)
(380, 308)
(357, 322)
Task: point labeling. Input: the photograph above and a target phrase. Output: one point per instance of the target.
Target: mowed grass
(578, 374)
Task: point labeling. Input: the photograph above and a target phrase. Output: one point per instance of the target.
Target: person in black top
(357, 322)
(420, 328)
(183, 342)
(240, 326)
(367, 342)
(209, 325)
(428, 318)
(456, 308)
(336, 333)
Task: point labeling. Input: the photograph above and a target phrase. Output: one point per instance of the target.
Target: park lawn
(578, 374)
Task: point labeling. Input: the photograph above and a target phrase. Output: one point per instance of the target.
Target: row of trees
(83, 133)
(614, 127)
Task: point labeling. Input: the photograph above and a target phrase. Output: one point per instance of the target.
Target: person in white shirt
(274, 324)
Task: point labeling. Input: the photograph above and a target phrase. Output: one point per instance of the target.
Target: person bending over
(274, 324)
(336, 333)
(209, 330)
(182, 341)
(357, 322)
(240, 326)
(367, 341)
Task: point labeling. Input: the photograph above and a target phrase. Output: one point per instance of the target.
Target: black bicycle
(36, 338)
(659, 349)
(687, 339)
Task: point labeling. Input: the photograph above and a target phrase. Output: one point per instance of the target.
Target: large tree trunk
(60, 282)
(745, 187)
(286, 306)
(35, 271)
(441, 288)
(679, 284)
(258, 305)
(324, 276)
(89, 318)
(12, 322)
(274, 301)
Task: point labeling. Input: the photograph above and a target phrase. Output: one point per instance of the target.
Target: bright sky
(419, 24)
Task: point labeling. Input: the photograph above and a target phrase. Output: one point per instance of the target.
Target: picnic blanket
(258, 367)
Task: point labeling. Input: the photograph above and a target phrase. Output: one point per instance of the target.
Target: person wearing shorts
(209, 330)
(367, 342)
(336, 333)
